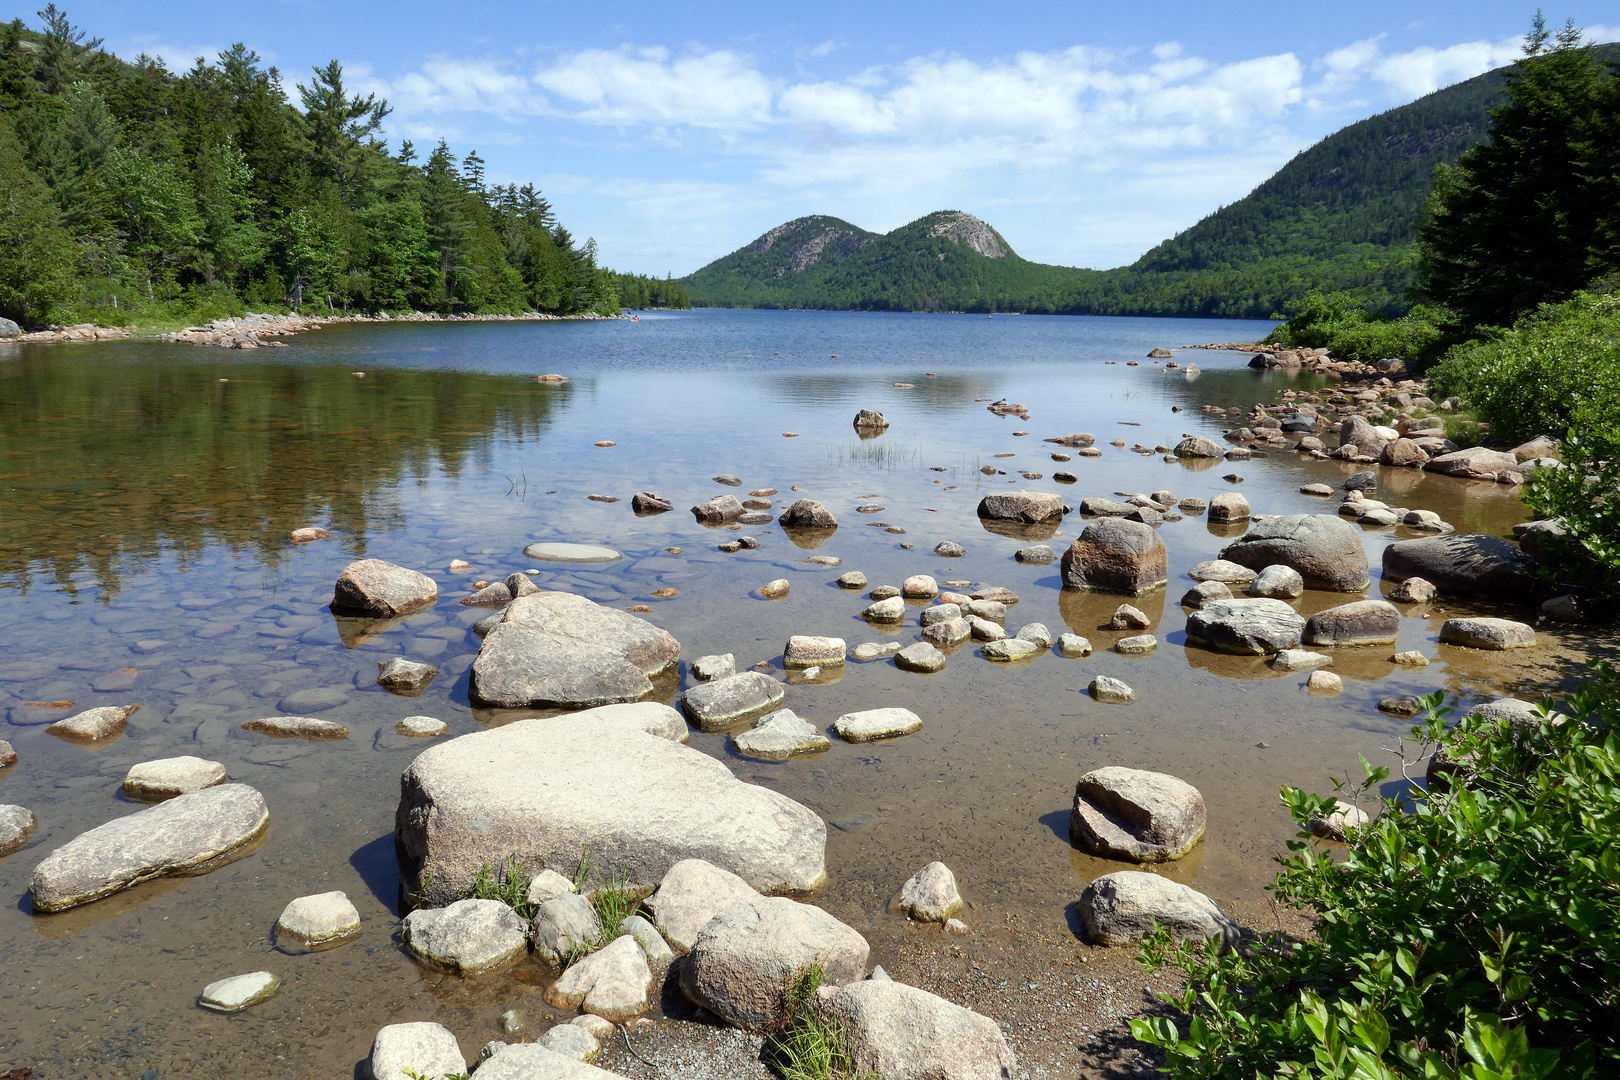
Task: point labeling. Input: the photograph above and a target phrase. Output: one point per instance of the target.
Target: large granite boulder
(745, 957)
(1195, 446)
(1121, 908)
(1463, 564)
(1475, 463)
(1247, 627)
(184, 835)
(899, 1032)
(558, 650)
(382, 590)
(1492, 634)
(1364, 622)
(1135, 814)
(1024, 507)
(1324, 548)
(546, 789)
(1117, 556)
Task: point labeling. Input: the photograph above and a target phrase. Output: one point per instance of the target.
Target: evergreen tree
(1518, 221)
(37, 268)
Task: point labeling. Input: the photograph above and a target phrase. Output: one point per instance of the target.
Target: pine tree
(1516, 223)
(37, 269)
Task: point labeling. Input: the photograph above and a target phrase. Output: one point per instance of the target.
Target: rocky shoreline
(252, 330)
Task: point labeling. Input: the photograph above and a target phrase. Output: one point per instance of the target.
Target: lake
(146, 491)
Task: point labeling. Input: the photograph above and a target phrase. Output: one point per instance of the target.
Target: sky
(675, 133)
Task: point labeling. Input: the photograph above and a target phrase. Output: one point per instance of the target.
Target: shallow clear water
(144, 504)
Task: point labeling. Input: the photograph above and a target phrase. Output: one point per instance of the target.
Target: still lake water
(144, 505)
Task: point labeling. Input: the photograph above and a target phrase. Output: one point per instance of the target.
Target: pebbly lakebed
(147, 490)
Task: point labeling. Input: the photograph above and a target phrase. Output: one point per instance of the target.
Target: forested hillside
(134, 192)
(946, 261)
(1342, 216)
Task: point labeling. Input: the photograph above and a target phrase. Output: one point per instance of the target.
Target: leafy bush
(1339, 323)
(1556, 370)
(1476, 936)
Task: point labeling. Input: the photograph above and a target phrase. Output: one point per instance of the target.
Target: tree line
(132, 192)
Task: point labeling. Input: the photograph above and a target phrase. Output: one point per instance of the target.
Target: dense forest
(1342, 216)
(132, 193)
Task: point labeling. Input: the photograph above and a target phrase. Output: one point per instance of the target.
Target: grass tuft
(509, 885)
(808, 1046)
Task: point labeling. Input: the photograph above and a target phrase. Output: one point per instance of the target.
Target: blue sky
(675, 133)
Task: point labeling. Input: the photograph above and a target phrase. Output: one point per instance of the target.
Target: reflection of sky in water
(145, 506)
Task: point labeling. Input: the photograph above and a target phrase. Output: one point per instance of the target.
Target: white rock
(919, 587)
(1122, 907)
(614, 982)
(1074, 645)
(692, 893)
(547, 885)
(429, 1050)
(930, 894)
(892, 610)
(1299, 660)
(531, 1061)
(93, 725)
(872, 650)
(780, 735)
(565, 923)
(1111, 690)
(421, 727)
(639, 802)
(710, 668)
(239, 992)
(1011, 649)
(1343, 817)
(899, 1032)
(651, 941)
(557, 552)
(1037, 633)
(877, 724)
(470, 937)
(745, 956)
(322, 921)
(571, 1041)
(154, 781)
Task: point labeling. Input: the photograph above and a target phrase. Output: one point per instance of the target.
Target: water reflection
(114, 457)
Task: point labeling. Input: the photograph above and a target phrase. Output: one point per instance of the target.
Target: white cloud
(1424, 70)
(625, 86)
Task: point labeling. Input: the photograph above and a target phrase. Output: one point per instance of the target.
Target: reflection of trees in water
(105, 466)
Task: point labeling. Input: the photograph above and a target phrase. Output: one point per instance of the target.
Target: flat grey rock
(1246, 627)
(571, 1041)
(545, 789)
(1299, 660)
(553, 551)
(382, 590)
(780, 735)
(693, 892)
(900, 1032)
(317, 922)
(710, 668)
(1121, 908)
(1490, 634)
(725, 701)
(297, 727)
(427, 1049)
(559, 650)
(920, 657)
(314, 699)
(421, 727)
(1136, 645)
(1220, 570)
(182, 835)
(805, 651)
(239, 992)
(532, 1061)
(745, 956)
(1364, 622)
(469, 937)
(874, 650)
(1136, 814)
(1111, 690)
(877, 724)
(154, 781)
(1011, 649)
(93, 725)
(651, 941)
(1023, 507)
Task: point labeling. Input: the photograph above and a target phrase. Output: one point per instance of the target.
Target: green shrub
(1339, 323)
(807, 1046)
(1477, 936)
(1555, 371)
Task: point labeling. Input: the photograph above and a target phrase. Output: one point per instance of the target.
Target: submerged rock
(180, 836)
(239, 992)
(297, 727)
(877, 724)
(382, 590)
(1254, 627)
(1118, 556)
(559, 650)
(155, 781)
(780, 735)
(724, 701)
(93, 725)
(929, 895)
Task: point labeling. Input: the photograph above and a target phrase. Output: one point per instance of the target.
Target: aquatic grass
(807, 1046)
(509, 885)
(873, 453)
(612, 902)
(518, 485)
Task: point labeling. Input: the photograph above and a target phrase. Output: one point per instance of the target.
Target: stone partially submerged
(542, 790)
(555, 649)
(1135, 814)
(382, 590)
(1123, 907)
(1024, 507)
(185, 835)
(1463, 564)
(1246, 627)
(1117, 556)
(1324, 548)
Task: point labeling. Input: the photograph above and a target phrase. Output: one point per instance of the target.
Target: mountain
(946, 261)
(1341, 215)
